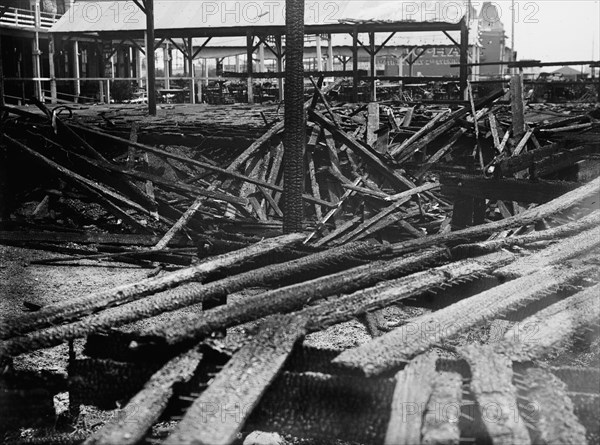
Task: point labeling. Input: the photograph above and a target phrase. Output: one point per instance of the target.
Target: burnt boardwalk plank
(220, 412)
(414, 385)
(491, 383)
(144, 409)
(389, 351)
(551, 409)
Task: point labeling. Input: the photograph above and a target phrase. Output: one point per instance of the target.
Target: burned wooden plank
(338, 231)
(508, 189)
(389, 351)
(491, 383)
(117, 239)
(193, 293)
(203, 165)
(73, 308)
(556, 254)
(554, 326)
(440, 153)
(287, 299)
(395, 151)
(241, 159)
(414, 385)
(585, 192)
(570, 229)
(108, 197)
(395, 178)
(443, 410)
(222, 409)
(143, 410)
(552, 410)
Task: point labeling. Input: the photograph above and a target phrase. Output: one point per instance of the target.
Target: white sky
(552, 30)
(548, 30)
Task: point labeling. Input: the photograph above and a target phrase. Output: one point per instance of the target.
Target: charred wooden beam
(588, 191)
(392, 349)
(137, 417)
(570, 229)
(556, 254)
(491, 382)
(550, 408)
(222, 409)
(86, 304)
(287, 299)
(505, 189)
(555, 326)
(414, 385)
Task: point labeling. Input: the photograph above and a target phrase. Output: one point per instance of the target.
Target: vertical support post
(166, 65)
(279, 56)
(206, 72)
(319, 53)
(294, 139)
(355, 65)
(191, 71)
(249, 67)
(36, 53)
(237, 64)
(261, 58)
(51, 68)
(373, 67)
(517, 107)
(139, 70)
(151, 87)
(330, 53)
(464, 56)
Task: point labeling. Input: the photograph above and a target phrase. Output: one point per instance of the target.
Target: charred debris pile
(492, 205)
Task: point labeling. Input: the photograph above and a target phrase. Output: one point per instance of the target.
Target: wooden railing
(25, 18)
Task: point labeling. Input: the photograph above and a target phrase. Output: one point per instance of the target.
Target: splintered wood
(491, 383)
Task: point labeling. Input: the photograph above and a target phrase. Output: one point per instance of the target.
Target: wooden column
(36, 53)
(464, 56)
(151, 87)
(139, 71)
(249, 68)
(261, 58)
(517, 107)
(330, 54)
(190, 59)
(279, 57)
(373, 67)
(319, 53)
(355, 65)
(166, 61)
(51, 68)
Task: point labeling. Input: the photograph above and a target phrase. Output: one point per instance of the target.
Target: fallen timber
(552, 414)
(569, 229)
(555, 326)
(587, 192)
(286, 299)
(239, 386)
(414, 386)
(148, 404)
(90, 303)
(197, 293)
(573, 246)
(491, 382)
(203, 165)
(391, 350)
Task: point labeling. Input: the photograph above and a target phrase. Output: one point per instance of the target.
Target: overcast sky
(552, 30)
